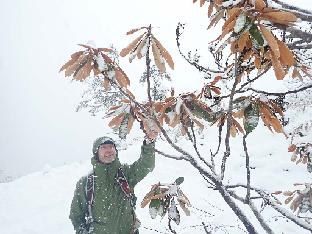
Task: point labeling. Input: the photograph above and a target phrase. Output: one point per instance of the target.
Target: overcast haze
(38, 121)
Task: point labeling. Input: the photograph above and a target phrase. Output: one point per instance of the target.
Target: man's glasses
(106, 146)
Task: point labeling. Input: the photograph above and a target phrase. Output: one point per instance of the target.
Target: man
(112, 210)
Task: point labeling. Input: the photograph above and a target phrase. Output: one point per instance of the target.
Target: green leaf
(161, 210)
(251, 120)
(201, 111)
(179, 180)
(155, 203)
(255, 33)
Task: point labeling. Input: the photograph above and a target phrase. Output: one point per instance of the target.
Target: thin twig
(196, 65)
(170, 156)
(148, 62)
(247, 169)
(281, 94)
(170, 228)
(219, 144)
(205, 228)
(267, 68)
(299, 12)
(229, 121)
(196, 149)
(207, 213)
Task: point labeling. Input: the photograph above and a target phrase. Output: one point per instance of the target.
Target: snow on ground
(39, 202)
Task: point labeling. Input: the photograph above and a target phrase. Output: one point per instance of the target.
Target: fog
(38, 122)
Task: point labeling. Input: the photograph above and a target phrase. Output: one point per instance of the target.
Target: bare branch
(280, 94)
(219, 140)
(170, 156)
(284, 212)
(206, 229)
(299, 12)
(148, 62)
(197, 66)
(196, 149)
(267, 68)
(247, 169)
(226, 196)
(260, 218)
(270, 201)
(229, 121)
(170, 228)
(255, 211)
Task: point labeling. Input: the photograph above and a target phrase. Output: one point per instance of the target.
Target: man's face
(107, 153)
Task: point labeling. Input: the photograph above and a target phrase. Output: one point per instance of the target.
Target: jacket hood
(100, 141)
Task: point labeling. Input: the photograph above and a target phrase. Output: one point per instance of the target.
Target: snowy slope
(39, 203)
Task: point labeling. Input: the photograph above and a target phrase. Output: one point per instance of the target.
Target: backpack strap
(124, 185)
(89, 189)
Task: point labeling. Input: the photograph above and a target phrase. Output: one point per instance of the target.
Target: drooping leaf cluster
(163, 199)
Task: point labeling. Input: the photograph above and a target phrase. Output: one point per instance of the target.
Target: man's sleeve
(79, 207)
(145, 164)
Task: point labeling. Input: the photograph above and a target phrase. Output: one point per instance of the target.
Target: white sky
(38, 121)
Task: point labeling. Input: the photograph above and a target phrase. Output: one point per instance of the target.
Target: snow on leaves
(251, 118)
(123, 118)
(188, 109)
(163, 199)
(140, 46)
(251, 109)
(301, 153)
(249, 33)
(83, 62)
(299, 200)
(96, 60)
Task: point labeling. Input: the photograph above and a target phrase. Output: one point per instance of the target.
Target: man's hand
(150, 134)
(148, 141)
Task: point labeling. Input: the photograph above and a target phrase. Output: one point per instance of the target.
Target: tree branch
(196, 149)
(255, 211)
(170, 156)
(284, 212)
(247, 169)
(148, 62)
(280, 94)
(276, 206)
(260, 218)
(299, 12)
(196, 65)
(226, 196)
(177, 148)
(229, 121)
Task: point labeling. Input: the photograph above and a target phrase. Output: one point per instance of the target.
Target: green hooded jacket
(112, 212)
